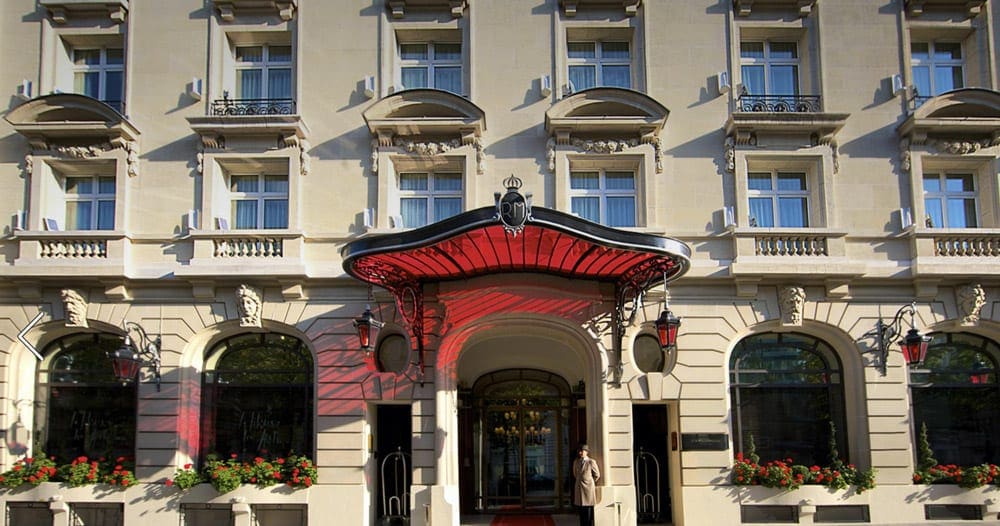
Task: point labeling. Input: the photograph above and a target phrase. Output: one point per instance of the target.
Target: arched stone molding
(959, 122)
(609, 112)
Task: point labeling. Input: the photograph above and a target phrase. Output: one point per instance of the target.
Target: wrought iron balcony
(233, 107)
(779, 103)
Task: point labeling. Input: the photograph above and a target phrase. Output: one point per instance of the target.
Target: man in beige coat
(586, 473)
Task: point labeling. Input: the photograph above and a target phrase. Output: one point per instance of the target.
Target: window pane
(448, 182)
(83, 57)
(105, 215)
(87, 83)
(920, 51)
(582, 77)
(279, 54)
(791, 182)
(106, 185)
(414, 211)
(78, 214)
(784, 50)
(113, 86)
(447, 207)
(115, 56)
(620, 181)
(276, 184)
(614, 50)
(922, 80)
(413, 182)
(245, 214)
(753, 79)
(621, 211)
(947, 78)
(932, 183)
(413, 51)
(960, 183)
(279, 83)
(448, 79)
(249, 84)
(762, 211)
(249, 54)
(759, 181)
(413, 77)
(616, 76)
(275, 213)
(935, 212)
(784, 80)
(947, 51)
(961, 213)
(588, 208)
(79, 185)
(581, 49)
(584, 181)
(447, 51)
(793, 212)
(244, 183)
(751, 49)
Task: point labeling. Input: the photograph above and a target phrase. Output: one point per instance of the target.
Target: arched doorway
(519, 427)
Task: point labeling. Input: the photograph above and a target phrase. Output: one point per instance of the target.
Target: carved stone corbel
(904, 155)
(375, 144)
(730, 153)
(550, 153)
(970, 298)
(29, 164)
(792, 301)
(226, 13)
(305, 161)
(213, 141)
(132, 158)
(76, 308)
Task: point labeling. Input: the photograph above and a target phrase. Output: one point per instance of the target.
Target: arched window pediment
(967, 114)
(425, 112)
(606, 111)
(68, 115)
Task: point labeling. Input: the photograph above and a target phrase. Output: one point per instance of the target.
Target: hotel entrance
(519, 427)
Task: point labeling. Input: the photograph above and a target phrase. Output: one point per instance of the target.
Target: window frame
(775, 194)
(945, 197)
(95, 198)
(261, 197)
(431, 62)
(102, 68)
(603, 193)
(769, 63)
(598, 62)
(431, 194)
(931, 63)
(265, 65)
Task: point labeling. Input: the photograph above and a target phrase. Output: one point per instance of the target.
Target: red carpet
(523, 520)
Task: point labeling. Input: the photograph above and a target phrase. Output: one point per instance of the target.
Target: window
(950, 200)
(957, 396)
(429, 197)
(778, 199)
(99, 73)
(770, 68)
(93, 514)
(431, 65)
(264, 72)
(786, 393)
(90, 203)
(937, 67)
(259, 201)
(604, 197)
(599, 63)
(82, 408)
(257, 397)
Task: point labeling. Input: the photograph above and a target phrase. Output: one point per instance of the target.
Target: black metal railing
(780, 103)
(253, 106)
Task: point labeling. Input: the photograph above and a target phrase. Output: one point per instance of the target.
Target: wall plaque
(704, 441)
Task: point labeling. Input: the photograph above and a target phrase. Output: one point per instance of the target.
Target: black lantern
(666, 329)
(129, 358)
(367, 326)
(914, 344)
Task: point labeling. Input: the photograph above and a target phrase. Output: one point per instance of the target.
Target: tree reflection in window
(81, 408)
(955, 392)
(786, 390)
(257, 397)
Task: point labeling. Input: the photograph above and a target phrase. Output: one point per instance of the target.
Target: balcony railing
(779, 103)
(74, 248)
(233, 107)
(985, 245)
(790, 245)
(248, 247)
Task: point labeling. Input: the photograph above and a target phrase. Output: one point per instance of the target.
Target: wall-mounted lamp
(367, 326)
(545, 86)
(914, 344)
(667, 324)
(129, 358)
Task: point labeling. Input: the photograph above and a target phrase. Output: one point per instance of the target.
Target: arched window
(786, 391)
(257, 397)
(956, 394)
(81, 408)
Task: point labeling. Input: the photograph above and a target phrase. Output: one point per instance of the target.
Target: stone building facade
(193, 174)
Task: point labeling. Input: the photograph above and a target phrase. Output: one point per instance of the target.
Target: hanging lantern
(980, 373)
(914, 347)
(367, 326)
(125, 362)
(666, 329)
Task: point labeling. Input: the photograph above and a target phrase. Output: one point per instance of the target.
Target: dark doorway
(652, 478)
(393, 429)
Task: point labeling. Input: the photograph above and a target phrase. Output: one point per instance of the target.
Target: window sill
(953, 251)
(275, 253)
(820, 127)
(70, 252)
(791, 251)
(213, 129)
